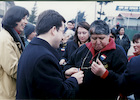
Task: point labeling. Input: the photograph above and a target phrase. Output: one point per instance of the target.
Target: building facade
(128, 20)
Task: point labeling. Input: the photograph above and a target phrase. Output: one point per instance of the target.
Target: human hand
(98, 69)
(70, 71)
(79, 76)
(62, 62)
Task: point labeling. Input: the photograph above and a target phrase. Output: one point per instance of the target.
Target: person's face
(121, 31)
(99, 41)
(69, 25)
(59, 36)
(83, 34)
(137, 46)
(21, 25)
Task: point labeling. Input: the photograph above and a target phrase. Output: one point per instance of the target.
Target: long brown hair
(83, 25)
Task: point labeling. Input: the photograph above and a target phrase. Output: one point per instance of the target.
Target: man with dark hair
(39, 74)
(104, 48)
(11, 47)
(70, 26)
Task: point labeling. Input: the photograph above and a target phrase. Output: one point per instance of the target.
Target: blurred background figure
(122, 39)
(113, 34)
(116, 28)
(29, 32)
(66, 37)
(81, 37)
(70, 26)
(70, 29)
(69, 34)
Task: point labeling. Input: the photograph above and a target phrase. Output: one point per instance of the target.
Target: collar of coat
(17, 31)
(15, 36)
(111, 45)
(44, 43)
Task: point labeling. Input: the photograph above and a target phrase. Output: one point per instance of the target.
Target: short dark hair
(99, 27)
(47, 20)
(13, 15)
(29, 28)
(120, 28)
(84, 25)
(71, 21)
(113, 32)
(136, 37)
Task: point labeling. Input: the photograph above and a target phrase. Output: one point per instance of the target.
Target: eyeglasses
(82, 66)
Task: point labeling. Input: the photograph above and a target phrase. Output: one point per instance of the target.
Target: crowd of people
(51, 61)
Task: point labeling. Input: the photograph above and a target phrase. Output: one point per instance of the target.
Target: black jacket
(129, 81)
(125, 42)
(39, 75)
(94, 87)
(70, 48)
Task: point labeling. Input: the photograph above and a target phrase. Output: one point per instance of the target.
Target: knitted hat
(29, 28)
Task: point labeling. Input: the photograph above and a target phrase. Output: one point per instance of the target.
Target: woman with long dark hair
(81, 37)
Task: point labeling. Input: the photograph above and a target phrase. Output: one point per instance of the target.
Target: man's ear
(53, 30)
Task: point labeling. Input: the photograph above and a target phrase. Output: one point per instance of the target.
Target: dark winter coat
(94, 87)
(125, 42)
(39, 75)
(61, 49)
(130, 79)
(70, 48)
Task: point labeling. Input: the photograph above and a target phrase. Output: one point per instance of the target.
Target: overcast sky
(69, 9)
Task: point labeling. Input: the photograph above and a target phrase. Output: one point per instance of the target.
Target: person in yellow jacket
(11, 47)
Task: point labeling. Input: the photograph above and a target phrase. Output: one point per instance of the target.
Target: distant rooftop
(121, 15)
(130, 15)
